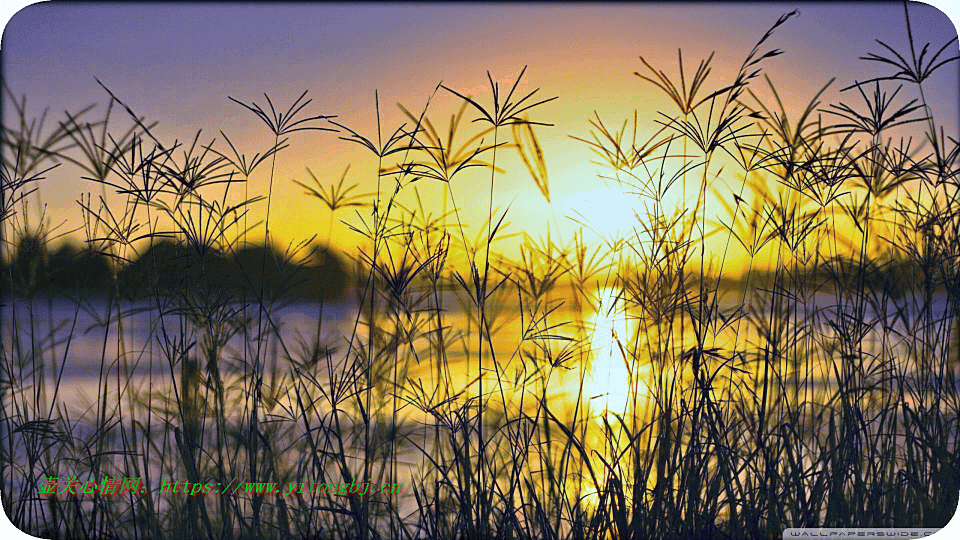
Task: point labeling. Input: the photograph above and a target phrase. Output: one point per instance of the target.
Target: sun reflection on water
(618, 379)
(609, 378)
(617, 382)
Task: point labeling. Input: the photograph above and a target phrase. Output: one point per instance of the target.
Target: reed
(639, 387)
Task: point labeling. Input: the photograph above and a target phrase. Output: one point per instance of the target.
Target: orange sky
(178, 64)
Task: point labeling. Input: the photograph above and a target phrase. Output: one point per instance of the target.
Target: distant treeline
(894, 276)
(167, 267)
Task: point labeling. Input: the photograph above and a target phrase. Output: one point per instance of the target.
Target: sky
(179, 64)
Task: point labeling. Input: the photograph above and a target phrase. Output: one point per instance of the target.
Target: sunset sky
(178, 63)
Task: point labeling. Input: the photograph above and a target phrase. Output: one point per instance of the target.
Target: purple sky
(178, 63)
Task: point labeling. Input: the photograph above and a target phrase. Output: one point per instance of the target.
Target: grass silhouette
(638, 388)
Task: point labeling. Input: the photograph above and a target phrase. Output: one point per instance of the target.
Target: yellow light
(608, 212)
(610, 378)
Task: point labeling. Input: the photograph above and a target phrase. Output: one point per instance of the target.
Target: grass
(635, 388)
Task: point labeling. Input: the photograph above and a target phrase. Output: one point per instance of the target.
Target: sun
(608, 212)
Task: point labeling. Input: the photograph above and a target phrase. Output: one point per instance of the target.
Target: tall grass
(639, 387)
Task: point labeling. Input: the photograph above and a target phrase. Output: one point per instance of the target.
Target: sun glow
(614, 212)
(608, 212)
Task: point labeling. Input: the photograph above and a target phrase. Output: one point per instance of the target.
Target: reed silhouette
(643, 386)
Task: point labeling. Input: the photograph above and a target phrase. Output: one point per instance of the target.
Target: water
(91, 349)
(82, 344)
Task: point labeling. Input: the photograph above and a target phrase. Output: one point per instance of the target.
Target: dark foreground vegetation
(821, 397)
